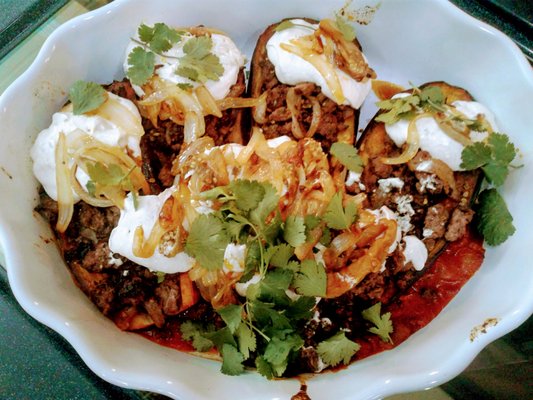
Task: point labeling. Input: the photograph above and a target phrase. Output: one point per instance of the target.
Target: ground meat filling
(162, 143)
(279, 118)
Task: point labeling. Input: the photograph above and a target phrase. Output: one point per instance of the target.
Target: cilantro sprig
(265, 327)
(494, 157)
(103, 177)
(430, 99)
(152, 40)
(382, 323)
(198, 63)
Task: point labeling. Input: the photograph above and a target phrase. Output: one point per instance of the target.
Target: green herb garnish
(347, 155)
(382, 323)
(199, 64)
(337, 349)
(86, 96)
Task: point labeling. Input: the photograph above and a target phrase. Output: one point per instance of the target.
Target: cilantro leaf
(347, 155)
(246, 339)
(495, 221)
(347, 30)
(207, 241)
(160, 37)
(383, 325)
(432, 96)
(232, 316)
(273, 286)
(247, 193)
(278, 349)
(401, 107)
(311, 279)
(221, 337)
(199, 64)
(475, 156)
(338, 217)
(141, 65)
(86, 96)
(192, 332)
(294, 230)
(264, 367)
(231, 360)
(493, 157)
(268, 204)
(283, 253)
(111, 175)
(336, 349)
(302, 308)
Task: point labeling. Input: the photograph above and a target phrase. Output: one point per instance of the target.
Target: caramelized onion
(65, 200)
(452, 131)
(349, 57)
(325, 69)
(208, 103)
(413, 143)
(113, 110)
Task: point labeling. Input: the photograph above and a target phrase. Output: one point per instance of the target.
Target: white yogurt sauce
(223, 47)
(415, 252)
(292, 69)
(77, 126)
(434, 140)
(146, 214)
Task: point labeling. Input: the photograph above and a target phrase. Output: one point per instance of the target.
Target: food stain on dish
(362, 16)
(6, 172)
(482, 329)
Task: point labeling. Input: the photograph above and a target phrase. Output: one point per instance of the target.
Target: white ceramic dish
(415, 41)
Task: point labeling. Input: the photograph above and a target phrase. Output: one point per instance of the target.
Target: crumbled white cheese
(427, 182)
(114, 261)
(405, 211)
(204, 207)
(427, 232)
(234, 256)
(386, 185)
(352, 178)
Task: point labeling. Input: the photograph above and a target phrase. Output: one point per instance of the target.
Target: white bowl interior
(408, 41)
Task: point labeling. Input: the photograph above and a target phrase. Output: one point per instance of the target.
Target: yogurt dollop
(292, 69)
(76, 127)
(434, 140)
(224, 48)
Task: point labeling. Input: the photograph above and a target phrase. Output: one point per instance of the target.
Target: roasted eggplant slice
(294, 103)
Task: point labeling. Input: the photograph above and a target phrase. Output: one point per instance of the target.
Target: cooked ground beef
(279, 120)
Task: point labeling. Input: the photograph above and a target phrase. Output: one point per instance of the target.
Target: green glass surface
(18, 18)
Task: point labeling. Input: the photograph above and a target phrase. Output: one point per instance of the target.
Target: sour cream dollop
(75, 127)
(145, 215)
(434, 140)
(415, 252)
(224, 48)
(292, 70)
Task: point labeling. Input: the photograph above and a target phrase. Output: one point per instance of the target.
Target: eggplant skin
(374, 144)
(338, 124)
